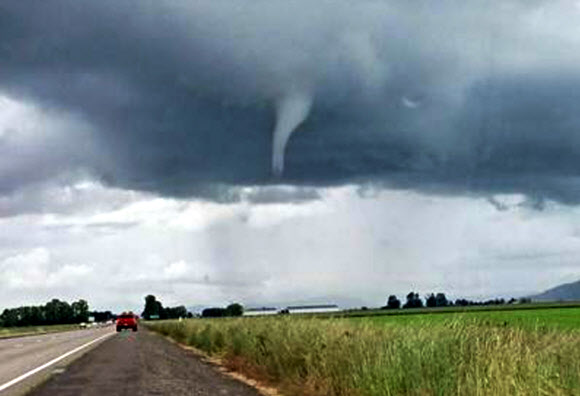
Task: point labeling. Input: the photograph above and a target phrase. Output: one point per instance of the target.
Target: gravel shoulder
(141, 363)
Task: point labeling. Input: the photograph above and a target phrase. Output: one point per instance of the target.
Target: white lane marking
(53, 361)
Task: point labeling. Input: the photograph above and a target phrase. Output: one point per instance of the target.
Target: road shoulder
(141, 364)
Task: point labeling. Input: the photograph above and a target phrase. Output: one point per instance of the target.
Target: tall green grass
(310, 356)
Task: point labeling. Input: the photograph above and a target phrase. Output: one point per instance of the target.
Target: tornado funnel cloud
(291, 111)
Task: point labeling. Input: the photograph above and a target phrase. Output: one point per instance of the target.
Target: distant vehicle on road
(127, 320)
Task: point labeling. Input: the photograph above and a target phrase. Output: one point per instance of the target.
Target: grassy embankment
(33, 330)
(455, 354)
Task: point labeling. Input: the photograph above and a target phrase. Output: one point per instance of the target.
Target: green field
(455, 309)
(515, 352)
(530, 319)
(33, 330)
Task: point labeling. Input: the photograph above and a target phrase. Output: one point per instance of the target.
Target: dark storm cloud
(280, 194)
(449, 97)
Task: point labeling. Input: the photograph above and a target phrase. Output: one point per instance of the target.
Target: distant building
(260, 311)
(312, 309)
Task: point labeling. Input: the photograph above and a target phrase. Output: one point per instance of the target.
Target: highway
(27, 361)
(118, 364)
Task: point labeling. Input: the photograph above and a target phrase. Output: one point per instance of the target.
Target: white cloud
(364, 248)
(34, 269)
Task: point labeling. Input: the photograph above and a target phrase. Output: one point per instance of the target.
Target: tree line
(154, 310)
(234, 309)
(102, 316)
(432, 300)
(51, 313)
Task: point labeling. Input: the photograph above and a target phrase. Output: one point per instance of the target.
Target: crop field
(522, 352)
(536, 319)
(455, 309)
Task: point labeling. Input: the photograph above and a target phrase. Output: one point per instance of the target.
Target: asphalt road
(21, 356)
(139, 364)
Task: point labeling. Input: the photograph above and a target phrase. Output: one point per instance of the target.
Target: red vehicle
(127, 321)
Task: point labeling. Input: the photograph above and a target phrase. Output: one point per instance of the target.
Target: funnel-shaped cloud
(291, 111)
(179, 96)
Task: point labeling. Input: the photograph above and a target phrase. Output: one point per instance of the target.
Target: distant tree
(25, 316)
(441, 300)
(80, 310)
(176, 312)
(436, 300)
(430, 301)
(102, 316)
(525, 300)
(234, 309)
(461, 302)
(162, 311)
(53, 312)
(497, 301)
(181, 311)
(413, 301)
(153, 308)
(512, 301)
(9, 317)
(58, 312)
(213, 312)
(393, 302)
(35, 315)
(65, 312)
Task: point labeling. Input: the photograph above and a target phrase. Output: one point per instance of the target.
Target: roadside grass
(6, 332)
(459, 356)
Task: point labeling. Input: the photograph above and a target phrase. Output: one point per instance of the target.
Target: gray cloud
(342, 245)
(280, 194)
(181, 97)
(63, 198)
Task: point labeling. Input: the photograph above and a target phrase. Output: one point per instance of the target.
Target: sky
(270, 152)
